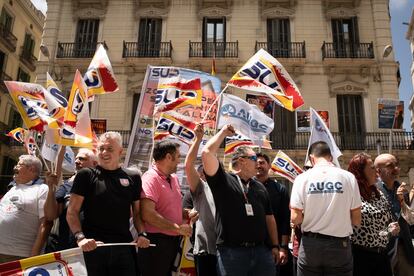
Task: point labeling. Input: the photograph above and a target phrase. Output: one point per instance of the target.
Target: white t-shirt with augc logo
(326, 194)
(21, 209)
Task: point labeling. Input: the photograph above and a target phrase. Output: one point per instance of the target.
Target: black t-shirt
(233, 226)
(108, 196)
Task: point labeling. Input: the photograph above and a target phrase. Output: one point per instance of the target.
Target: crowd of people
(241, 222)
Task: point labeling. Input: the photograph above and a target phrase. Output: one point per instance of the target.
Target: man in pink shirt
(161, 211)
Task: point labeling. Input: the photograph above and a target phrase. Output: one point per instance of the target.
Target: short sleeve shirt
(326, 194)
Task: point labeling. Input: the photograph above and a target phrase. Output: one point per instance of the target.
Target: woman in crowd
(369, 240)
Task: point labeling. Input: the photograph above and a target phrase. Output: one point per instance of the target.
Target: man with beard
(107, 194)
(57, 201)
(162, 212)
(388, 170)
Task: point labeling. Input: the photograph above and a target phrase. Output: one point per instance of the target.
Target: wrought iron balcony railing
(347, 50)
(8, 39)
(140, 50)
(77, 50)
(28, 59)
(4, 77)
(214, 49)
(283, 49)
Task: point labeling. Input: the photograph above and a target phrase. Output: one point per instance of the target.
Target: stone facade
(410, 37)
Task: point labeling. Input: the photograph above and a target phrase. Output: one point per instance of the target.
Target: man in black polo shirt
(106, 194)
(279, 198)
(244, 217)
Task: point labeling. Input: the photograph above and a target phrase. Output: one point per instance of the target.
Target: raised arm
(210, 161)
(192, 176)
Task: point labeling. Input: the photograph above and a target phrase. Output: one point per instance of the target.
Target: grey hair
(113, 135)
(32, 161)
(92, 156)
(240, 151)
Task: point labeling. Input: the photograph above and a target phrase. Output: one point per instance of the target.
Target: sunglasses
(252, 157)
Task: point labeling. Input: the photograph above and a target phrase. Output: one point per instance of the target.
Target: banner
(246, 118)
(320, 132)
(18, 134)
(186, 266)
(303, 119)
(233, 142)
(262, 73)
(63, 263)
(56, 102)
(30, 144)
(139, 149)
(390, 113)
(264, 103)
(285, 167)
(50, 153)
(173, 93)
(174, 124)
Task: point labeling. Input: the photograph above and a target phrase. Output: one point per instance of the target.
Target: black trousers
(113, 260)
(206, 265)
(158, 260)
(368, 263)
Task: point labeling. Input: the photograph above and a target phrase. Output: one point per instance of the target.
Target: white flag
(50, 152)
(320, 132)
(244, 117)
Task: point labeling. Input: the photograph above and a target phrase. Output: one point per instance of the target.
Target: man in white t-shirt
(22, 223)
(326, 202)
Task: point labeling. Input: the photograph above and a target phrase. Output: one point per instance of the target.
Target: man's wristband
(275, 246)
(79, 236)
(143, 234)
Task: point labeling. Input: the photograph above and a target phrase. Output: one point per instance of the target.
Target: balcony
(28, 59)
(347, 50)
(283, 49)
(77, 50)
(143, 50)
(7, 38)
(214, 49)
(4, 77)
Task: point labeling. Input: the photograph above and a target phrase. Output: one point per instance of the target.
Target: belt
(322, 236)
(370, 249)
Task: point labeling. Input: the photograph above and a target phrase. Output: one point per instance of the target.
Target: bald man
(388, 170)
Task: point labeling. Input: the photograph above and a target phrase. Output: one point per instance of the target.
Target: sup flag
(18, 134)
(285, 167)
(100, 78)
(320, 132)
(173, 93)
(30, 102)
(30, 144)
(54, 98)
(262, 73)
(246, 118)
(63, 263)
(177, 125)
(186, 266)
(50, 153)
(235, 141)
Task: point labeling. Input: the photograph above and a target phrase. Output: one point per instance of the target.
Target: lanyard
(242, 188)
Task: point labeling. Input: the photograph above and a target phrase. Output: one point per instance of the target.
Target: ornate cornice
(152, 12)
(214, 11)
(328, 4)
(347, 87)
(340, 12)
(278, 12)
(86, 13)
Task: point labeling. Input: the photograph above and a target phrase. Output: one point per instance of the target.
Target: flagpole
(211, 106)
(153, 141)
(40, 154)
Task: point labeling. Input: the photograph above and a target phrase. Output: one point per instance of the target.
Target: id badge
(249, 209)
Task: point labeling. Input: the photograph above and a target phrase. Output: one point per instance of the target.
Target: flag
(233, 142)
(65, 263)
(177, 125)
(173, 93)
(285, 167)
(262, 73)
(50, 152)
(18, 134)
(30, 144)
(30, 102)
(320, 132)
(54, 98)
(246, 118)
(100, 77)
(186, 266)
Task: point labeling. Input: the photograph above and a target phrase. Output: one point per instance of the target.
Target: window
(284, 132)
(135, 102)
(6, 20)
(28, 46)
(351, 121)
(214, 37)
(149, 37)
(23, 76)
(86, 37)
(345, 37)
(278, 37)
(2, 62)
(15, 120)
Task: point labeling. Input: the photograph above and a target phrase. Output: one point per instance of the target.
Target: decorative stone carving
(151, 12)
(329, 4)
(89, 13)
(348, 87)
(214, 11)
(340, 12)
(278, 12)
(268, 4)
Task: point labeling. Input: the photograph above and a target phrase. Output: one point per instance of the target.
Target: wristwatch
(79, 236)
(143, 234)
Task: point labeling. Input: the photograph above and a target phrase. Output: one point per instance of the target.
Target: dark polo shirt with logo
(108, 195)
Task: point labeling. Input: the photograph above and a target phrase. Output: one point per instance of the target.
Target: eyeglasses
(251, 157)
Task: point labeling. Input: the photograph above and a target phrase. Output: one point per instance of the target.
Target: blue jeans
(245, 261)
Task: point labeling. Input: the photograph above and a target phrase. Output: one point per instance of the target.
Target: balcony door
(2, 63)
(351, 121)
(345, 37)
(214, 37)
(284, 132)
(149, 37)
(86, 37)
(278, 37)
(28, 46)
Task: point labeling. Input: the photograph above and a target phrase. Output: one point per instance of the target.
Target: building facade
(333, 49)
(21, 28)
(410, 37)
